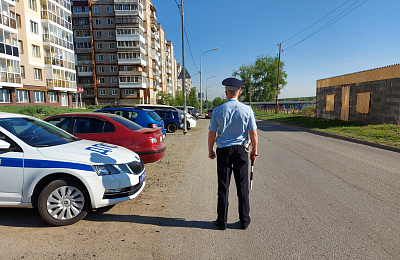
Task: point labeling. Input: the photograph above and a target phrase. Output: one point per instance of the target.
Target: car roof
(11, 115)
(127, 108)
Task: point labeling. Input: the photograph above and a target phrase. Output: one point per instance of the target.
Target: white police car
(63, 176)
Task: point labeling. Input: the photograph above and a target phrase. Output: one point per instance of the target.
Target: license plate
(141, 177)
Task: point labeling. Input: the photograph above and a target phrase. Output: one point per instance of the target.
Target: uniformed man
(231, 125)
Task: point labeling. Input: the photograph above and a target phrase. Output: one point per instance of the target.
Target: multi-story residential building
(120, 51)
(39, 55)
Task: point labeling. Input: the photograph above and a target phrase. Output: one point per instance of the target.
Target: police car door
(11, 170)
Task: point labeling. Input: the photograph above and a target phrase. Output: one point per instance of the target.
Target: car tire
(171, 128)
(63, 202)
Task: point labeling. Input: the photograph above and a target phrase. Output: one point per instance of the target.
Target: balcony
(58, 84)
(58, 62)
(58, 20)
(132, 62)
(47, 38)
(8, 21)
(9, 77)
(132, 73)
(141, 85)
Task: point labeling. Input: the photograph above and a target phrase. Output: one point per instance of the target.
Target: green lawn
(40, 111)
(386, 134)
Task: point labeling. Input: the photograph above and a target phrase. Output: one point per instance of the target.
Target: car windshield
(125, 122)
(35, 132)
(154, 116)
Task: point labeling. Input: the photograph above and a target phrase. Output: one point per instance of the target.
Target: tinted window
(125, 122)
(86, 125)
(61, 122)
(154, 116)
(131, 115)
(176, 115)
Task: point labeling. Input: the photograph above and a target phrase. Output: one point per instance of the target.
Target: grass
(41, 111)
(386, 134)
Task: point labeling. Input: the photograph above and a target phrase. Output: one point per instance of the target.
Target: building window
(101, 69)
(101, 80)
(114, 80)
(53, 97)
(109, 9)
(114, 92)
(64, 99)
(330, 102)
(37, 74)
(112, 45)
(20, 47)
(34, 28)
(35, 51)
(100, 57)
(102, 92)
(97, 22)
(110, 33)
(363, 102)
(18, 20)
(98, 34)
(4, 96)
(110, 21)
(96, 10)
(112, 57)
(113, 68)
(22, 96)
(38, 96)
(89, 92)
(129, 92)
(23, 72)
(99, 45)
(32, 4)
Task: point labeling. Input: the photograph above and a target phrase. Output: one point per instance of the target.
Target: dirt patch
(126, 231)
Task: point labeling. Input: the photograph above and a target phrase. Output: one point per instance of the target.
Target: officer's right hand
(211, 155)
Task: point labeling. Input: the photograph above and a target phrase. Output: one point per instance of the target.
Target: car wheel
(63, 202)
(171, 128)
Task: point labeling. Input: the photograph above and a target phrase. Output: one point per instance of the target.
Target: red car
(148, 143)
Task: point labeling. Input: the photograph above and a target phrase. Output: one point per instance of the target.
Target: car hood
(90, 152)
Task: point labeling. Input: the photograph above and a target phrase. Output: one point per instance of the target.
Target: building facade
(371, 96)
(38, 62)
(121, 53)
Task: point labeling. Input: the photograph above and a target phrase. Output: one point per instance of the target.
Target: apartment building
(121, 53)
(38, 65)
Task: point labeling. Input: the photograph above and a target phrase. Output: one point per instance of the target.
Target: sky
(368, 37)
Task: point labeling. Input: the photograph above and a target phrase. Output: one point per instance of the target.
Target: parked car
(113, 129)
(209, 113)
(191, 110)
(141, 116)
(190, 120)
(172, 119)
(64, 177)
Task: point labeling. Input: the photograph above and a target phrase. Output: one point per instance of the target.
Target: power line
(316, 22)
(332, 21)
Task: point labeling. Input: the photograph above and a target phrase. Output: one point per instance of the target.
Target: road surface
(313, 197)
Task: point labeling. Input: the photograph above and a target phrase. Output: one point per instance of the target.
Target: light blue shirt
(232, 122)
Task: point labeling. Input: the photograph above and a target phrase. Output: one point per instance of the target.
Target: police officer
(230, 125)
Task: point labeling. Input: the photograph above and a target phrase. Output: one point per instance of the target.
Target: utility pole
(277, 81)
(184, 73)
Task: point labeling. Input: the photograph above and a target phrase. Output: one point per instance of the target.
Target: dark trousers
(233, 158)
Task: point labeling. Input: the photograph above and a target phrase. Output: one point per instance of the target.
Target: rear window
(154, 116)
(127, 123)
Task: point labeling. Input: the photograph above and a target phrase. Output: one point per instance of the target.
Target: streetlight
(206, 91)
(201, 97)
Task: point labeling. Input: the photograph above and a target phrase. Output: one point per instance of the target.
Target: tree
(263, 78)
(192, 99)
(165, 99)
(218, 101)
(178, 98)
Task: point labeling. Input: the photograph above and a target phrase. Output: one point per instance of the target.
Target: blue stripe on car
(32, 163)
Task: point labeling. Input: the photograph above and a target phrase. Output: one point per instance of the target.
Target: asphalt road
(313, 197)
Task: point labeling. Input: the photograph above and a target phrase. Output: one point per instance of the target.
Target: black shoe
(244, 225)
(222, 227)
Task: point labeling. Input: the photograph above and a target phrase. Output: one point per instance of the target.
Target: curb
(341, 137)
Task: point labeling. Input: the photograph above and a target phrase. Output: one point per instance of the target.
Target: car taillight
(152, 125)
(153, 140)
(180, 121)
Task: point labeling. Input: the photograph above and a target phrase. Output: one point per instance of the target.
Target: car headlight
(106, 169)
